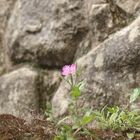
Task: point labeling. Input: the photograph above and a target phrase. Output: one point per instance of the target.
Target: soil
(13, 128)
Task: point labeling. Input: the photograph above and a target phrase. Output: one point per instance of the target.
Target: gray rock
(45, 32)
(5, 11)
(18, 94)
(88, 4)
(53, 33)
(49, 33)
(111, 71)
(129, 6)
(101, 21)
(48, 83)
(1, 60)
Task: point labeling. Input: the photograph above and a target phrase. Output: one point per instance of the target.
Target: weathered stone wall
(5, 12)
(102, 36)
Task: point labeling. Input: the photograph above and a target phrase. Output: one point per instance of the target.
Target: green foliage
(130, 135)
(113, 118)
(75, 93)
(116, 119)
(135, 95)
(48, 112)
(80, 118)
(87, 118)
(65, 133)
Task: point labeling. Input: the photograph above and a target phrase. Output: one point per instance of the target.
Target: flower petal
(73, 68)
(65, 70)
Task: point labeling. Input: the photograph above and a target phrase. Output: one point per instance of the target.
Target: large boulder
(50, 34)
(1, 59)
(46, 32)
(111, 71)
(129, 6)
(5, 11)
(100, 21)
(103, 18)
(100, 24)
(48, 83)
(18, 93)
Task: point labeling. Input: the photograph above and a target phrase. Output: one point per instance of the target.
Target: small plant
(116, 119)
(65, 133)
(79, 117)
(135, 95)
(135, 100)
(48, 112)
(108, 118)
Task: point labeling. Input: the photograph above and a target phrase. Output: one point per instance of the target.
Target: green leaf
(70, 138)
(76, 92)
(130, 135)
(86, 120)
(81, 85)
(113, 109)
(75, 126)
(67, 127)
(88, 117)
(135, 95)
(113, 118)
(63, 120)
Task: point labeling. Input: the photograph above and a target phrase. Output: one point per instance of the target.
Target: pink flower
(73, 68)
(68, 69)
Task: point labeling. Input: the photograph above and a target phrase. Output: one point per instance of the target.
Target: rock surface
(5, 12)
(129, 6)
(101, 21)
(46, 32)
(111, 71)
(97, 34)
(48, 82)
(18, 95)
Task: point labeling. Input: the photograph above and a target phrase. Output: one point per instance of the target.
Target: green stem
(76, 109)
(77, 131)
(72, 84)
